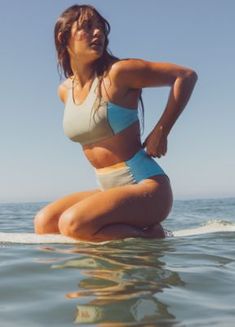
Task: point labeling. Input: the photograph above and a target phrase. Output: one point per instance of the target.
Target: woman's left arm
(137, 74)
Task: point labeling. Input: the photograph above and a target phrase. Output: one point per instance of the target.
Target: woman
(101, 95)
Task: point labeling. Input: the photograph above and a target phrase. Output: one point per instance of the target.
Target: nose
(97, 31)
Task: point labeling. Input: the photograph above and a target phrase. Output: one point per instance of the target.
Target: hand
(156, 142)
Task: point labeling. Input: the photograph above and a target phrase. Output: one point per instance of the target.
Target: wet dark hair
(62, 33)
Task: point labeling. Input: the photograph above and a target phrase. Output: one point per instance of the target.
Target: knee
(45, 222)
(65, 224)
(39, 222)
(73, 226)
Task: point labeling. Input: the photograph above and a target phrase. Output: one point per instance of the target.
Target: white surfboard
(31, 238)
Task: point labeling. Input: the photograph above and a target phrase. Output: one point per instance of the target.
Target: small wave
(220, 222)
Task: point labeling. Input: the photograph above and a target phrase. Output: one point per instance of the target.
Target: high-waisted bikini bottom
(132, 171)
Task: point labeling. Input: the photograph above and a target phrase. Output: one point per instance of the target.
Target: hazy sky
(38, 163)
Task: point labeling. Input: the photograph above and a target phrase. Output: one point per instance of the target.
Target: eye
(99, 25)
(86, 25)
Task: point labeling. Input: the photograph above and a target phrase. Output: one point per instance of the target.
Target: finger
(162, 148)
(156, 154)
(151, 153)
(165, 148)
(159, 151)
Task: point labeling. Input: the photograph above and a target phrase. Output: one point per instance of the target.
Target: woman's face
(87, 40)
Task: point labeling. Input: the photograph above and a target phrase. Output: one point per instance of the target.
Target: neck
(82, 72)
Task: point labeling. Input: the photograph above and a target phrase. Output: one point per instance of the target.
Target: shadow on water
(119, 282)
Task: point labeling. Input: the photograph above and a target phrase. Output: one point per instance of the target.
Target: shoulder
(128, 64)
(139, 73)
(124, 67)
(132, 73)
(63, 88)
(122, 74)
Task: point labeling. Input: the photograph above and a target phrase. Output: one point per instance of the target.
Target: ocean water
(181, 281)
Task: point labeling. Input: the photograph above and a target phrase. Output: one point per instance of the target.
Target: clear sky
(38, 163)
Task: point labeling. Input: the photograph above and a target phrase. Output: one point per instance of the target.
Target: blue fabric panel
(120, 118)
(143, 166)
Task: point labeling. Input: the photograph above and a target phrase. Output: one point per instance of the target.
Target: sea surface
(181, 281)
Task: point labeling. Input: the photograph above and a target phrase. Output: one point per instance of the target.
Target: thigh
(46, 220)
(62, 204)
(143, 204)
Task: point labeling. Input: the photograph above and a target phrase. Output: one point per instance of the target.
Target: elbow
(188, 75)
(191, 75)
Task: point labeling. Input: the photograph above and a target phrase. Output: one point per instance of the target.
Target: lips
(97, 42)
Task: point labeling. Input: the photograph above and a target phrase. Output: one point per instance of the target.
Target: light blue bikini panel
(143, 166)
(120, 118)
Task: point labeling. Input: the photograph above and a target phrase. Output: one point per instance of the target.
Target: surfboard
(31, 238)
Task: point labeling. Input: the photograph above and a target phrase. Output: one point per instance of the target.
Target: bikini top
(95, 119)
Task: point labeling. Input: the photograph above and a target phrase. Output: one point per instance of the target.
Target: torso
(119, 147)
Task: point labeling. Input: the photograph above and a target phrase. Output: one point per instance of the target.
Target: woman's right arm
(137, 74)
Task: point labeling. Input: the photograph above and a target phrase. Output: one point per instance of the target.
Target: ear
(59, 37)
